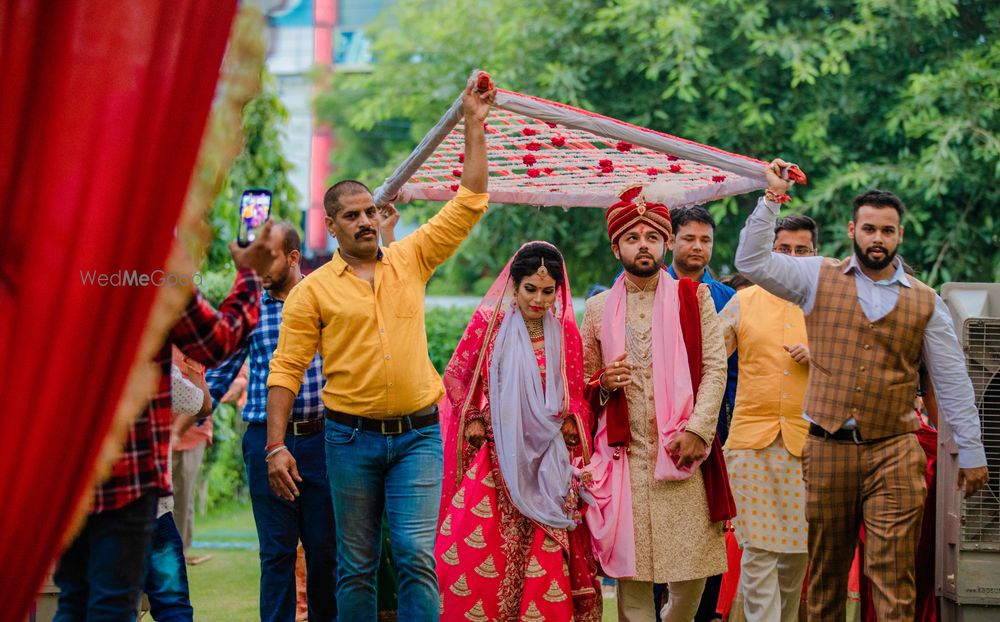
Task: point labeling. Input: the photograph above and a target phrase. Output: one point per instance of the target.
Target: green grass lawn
(226, 587)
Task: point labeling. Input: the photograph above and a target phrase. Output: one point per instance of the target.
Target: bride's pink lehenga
(493, 561)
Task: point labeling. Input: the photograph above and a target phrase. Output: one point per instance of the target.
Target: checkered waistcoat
(862, 369)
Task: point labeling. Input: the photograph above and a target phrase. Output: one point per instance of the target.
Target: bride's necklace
(535, 329)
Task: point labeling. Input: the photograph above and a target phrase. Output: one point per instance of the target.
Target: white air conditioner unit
(968, 530)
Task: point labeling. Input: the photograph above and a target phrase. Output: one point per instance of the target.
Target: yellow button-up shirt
(373, 342)
(771, 384)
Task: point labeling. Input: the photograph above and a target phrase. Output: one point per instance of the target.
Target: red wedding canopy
(543, 152)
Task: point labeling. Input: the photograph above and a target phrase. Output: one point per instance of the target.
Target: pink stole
(611, 521)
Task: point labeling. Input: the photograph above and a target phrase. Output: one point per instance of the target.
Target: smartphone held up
(255, 210)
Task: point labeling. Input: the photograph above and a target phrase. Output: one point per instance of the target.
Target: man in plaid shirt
(280, 523)
(100, 574)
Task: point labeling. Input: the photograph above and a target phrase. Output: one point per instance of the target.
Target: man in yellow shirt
(764, 448)
(364, 312)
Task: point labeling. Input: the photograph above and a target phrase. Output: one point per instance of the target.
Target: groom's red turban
(631, 209)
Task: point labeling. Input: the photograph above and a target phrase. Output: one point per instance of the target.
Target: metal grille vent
(981, 513)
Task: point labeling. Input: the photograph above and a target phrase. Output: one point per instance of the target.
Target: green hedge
(444, 329)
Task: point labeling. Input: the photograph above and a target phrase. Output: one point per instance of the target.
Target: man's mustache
(363, 232)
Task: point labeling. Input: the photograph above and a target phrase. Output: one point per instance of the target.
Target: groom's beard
(870, 262)
(642, 271)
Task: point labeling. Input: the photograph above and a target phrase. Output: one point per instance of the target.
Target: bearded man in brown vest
(869, 327)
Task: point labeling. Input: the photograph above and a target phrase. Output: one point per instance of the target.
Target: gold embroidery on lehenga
(487, 569)
(550, 546)
(555, 593)
(533, 614)
(475, 539)
(450, 556)
(534, 569)
(483, 509)
(471, 473)
(445, 529)
(460, 587)
(458, 501)
(488, 481)
(476, 614)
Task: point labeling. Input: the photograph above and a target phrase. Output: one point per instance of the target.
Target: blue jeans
(400, 474)
(281, 524)
(166, 574)
(100, 575)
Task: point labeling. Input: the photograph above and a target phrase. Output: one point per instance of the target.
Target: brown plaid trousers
(879, 484)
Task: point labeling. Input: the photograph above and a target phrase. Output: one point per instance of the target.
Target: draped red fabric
(102, 113)
(721, 505)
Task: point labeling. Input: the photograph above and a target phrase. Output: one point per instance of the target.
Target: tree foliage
(261, 164)
(862, 93)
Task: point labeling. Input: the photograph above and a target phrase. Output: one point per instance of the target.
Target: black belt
(305, 428)
(299, 428)
(397, 425)
(843, 434)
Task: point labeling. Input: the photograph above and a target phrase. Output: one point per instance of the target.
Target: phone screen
(255, 209)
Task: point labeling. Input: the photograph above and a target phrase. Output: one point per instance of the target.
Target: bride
(511, 544)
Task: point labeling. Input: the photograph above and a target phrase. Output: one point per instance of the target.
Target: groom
(654, 350)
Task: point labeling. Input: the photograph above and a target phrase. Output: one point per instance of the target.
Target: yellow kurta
(373, 342)
(768, 431)
(674, 538)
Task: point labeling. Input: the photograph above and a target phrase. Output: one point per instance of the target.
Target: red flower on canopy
(529, 132)
(548, 170)
(652, 171)
(533, 172)
(528, 159)
(550, 124)
(457, 172)
(558, 141)
(454, 187)
(605, 163)
(718, 178)
(675, 168)
(533, 146)
(623, 146)
(461, 158)
(672, 158)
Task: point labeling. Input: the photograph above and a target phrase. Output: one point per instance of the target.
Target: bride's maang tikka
(542, 270)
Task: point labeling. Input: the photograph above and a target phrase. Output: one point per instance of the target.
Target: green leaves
(261, 164)
(860, 93)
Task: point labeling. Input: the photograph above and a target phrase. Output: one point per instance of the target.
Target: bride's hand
(571, 434)
(475, 433)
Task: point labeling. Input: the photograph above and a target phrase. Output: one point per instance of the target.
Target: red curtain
(102, 111)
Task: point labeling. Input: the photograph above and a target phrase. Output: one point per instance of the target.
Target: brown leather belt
(396, 425)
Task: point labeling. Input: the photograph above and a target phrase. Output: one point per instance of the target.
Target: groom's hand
(687, 448)
(617, 375)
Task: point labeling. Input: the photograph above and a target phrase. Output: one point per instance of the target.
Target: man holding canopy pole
(364, 312)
